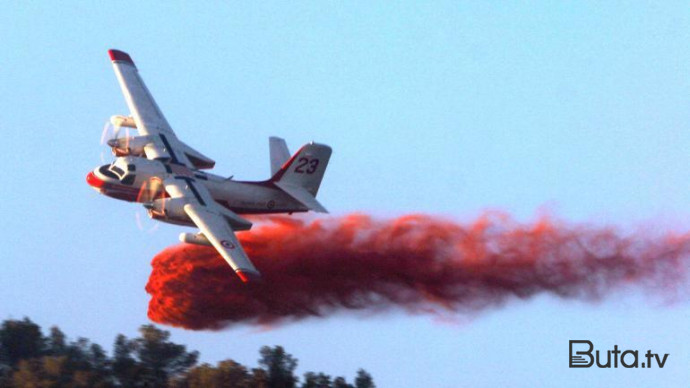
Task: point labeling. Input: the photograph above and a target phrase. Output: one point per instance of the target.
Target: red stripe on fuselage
(125, 193)
(133, 194)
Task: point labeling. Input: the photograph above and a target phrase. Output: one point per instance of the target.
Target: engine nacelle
(198, 239)
(123, 121)
(129, 145)
(170, 210)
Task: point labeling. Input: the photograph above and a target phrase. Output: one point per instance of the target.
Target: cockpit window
(128, 180)
(118, 171)
(105, 171)
(131, 167)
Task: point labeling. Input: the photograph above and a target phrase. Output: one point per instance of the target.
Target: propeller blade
(150, 190)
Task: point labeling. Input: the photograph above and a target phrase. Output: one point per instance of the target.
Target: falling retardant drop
(416, 263)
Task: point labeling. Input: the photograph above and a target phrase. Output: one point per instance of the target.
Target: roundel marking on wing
(227, 244)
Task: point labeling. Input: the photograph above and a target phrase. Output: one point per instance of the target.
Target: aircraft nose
(93, 180)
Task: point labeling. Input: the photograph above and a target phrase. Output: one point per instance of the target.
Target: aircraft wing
(217, 223)
(149, 119)
(217, 230)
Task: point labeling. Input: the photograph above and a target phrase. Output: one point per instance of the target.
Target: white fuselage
(137, 179)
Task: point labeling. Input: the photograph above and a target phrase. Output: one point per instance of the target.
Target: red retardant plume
(421, 264)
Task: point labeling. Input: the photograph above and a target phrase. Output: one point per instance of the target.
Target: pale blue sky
(449, 108)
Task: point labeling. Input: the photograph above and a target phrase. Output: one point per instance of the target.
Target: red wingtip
(242, 276)
(248, 276)
(117, 55)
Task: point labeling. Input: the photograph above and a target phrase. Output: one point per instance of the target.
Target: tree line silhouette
(30, 359)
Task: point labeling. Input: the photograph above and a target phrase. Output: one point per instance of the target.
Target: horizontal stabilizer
(302, 196)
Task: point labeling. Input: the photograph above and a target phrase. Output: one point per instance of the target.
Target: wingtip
(248, 276)
(117, 55)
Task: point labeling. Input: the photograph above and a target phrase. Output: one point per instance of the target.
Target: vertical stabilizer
(305, 169)
(279, 153)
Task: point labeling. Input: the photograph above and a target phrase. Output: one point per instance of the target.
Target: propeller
(107, 131)
(145, 224)
(151, 190)
(112, 131)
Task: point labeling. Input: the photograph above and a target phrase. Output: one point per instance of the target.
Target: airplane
(166, 175)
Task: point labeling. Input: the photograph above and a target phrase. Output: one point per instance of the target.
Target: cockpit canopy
(119, 170)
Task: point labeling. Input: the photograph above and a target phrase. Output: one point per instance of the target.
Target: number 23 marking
(307, 166)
